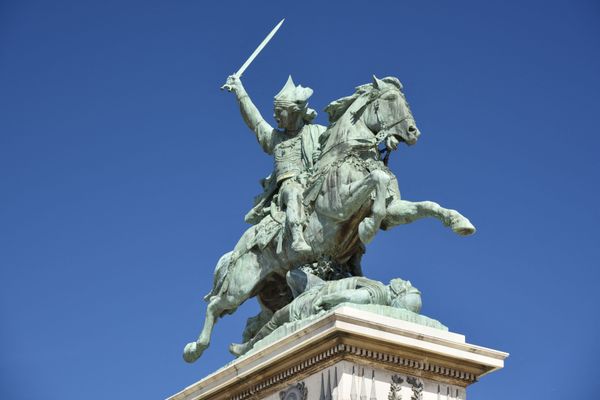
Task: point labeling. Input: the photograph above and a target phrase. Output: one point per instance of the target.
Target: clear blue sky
(125, 173)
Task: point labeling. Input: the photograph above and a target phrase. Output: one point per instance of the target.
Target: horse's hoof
(192, 352)
(366, 230)
(237, 349)
(463, 227)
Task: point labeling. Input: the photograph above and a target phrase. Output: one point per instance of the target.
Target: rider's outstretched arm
(263, 130)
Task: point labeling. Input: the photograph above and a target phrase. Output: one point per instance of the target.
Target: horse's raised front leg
(343, 201)
(404, 212)
(370, 225)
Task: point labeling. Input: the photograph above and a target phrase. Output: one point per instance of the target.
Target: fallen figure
(314, 295)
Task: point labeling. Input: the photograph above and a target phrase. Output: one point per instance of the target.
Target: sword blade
(258, 49)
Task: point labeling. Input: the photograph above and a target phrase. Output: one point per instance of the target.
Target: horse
(351, 194)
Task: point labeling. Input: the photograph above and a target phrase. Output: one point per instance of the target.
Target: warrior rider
(295, 146)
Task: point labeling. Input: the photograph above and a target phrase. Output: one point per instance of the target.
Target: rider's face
(287, 118)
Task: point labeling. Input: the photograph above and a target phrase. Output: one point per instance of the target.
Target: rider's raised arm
(263, 130)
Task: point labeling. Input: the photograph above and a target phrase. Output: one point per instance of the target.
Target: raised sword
(255, 53)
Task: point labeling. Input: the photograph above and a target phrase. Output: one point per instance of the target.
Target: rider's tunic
(288, 158)
(293, 155)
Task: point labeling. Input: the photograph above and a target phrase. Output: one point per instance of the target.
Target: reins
(383, 133)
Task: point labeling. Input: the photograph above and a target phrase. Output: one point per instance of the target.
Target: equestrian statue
(329, 194)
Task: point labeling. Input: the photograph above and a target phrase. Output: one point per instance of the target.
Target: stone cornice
(349, 334)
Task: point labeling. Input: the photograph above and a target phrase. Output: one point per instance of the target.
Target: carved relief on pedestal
(395, 388)
(294, 392)
(416, 386)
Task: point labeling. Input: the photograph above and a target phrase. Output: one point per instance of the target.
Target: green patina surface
(386, 311)
(329, 194)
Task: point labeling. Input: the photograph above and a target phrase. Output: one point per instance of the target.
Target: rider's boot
(299, 245)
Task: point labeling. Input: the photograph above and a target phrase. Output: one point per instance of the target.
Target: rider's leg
(291, 195)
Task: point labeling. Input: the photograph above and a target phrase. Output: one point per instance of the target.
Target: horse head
(377, 112)
(387, 113)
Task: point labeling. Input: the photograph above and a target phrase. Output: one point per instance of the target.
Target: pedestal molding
(362, 338)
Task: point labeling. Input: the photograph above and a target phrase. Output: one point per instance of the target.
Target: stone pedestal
(353, 354)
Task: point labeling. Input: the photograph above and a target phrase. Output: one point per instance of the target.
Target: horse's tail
(219, 276)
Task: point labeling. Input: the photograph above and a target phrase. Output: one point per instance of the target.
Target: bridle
(383, 126)
(383, 132)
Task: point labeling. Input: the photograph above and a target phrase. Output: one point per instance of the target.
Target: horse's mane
(338, 107)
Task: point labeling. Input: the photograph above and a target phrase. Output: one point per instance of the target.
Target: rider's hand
(233, 84)
(391, 143)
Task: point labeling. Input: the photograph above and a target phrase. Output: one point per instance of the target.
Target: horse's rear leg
(242, 278)
(254, 324)
(401, 212)
(216, 307)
